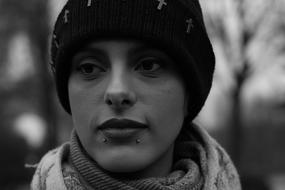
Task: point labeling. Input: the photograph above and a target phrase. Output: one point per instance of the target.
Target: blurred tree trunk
(240, 77)
(39, 34)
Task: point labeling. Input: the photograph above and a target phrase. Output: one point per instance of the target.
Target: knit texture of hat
(175, 26)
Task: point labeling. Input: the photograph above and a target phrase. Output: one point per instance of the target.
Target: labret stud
(104, 140)
(138, 141)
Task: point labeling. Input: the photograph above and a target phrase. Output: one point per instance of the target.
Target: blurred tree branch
(238, 27)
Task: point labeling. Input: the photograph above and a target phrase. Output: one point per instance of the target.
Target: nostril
(109, 102)
(123, 102)
(126, 102)
(119, 100)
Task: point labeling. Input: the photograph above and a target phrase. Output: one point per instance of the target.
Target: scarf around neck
(199, 163)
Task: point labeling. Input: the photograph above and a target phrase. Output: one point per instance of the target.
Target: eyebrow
(91, 50)
(143, 48)
(88, 51)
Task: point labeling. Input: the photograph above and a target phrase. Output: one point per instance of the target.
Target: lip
(121, 130)
(121, 134)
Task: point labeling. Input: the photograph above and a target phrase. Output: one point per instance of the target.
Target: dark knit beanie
(175, 26)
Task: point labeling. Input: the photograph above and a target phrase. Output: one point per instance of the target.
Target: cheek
(166, 109)
(83, 96)
(82, 100)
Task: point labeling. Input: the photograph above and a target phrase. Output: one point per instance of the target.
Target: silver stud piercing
(104, 140)
(138, 141)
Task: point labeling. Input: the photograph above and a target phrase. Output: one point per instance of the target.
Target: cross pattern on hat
(52, 66)
(89, 3)
(55, 41)
(161, 3)
(66, 13)
(190, 25)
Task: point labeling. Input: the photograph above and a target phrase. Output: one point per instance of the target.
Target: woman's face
(128, 105)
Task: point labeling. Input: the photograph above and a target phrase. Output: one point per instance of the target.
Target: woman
(133, 74)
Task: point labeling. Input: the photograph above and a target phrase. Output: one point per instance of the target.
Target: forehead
(109, 43)
(120, 46)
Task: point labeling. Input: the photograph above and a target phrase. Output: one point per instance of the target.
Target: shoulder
(221, 171)
(48, 174)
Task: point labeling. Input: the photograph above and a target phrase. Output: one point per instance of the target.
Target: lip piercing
(104, 140)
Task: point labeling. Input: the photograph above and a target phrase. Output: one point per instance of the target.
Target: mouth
(121, 130)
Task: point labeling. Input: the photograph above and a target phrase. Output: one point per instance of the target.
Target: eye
(90, 70)
(87, 68)
(149, 64)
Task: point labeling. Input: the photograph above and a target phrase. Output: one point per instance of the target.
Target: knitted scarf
(199, 163)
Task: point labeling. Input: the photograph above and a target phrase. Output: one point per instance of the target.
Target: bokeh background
(245, 111)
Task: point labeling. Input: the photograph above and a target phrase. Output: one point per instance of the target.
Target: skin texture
(127, 80)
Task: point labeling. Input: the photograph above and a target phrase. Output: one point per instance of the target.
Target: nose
(119, 95)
